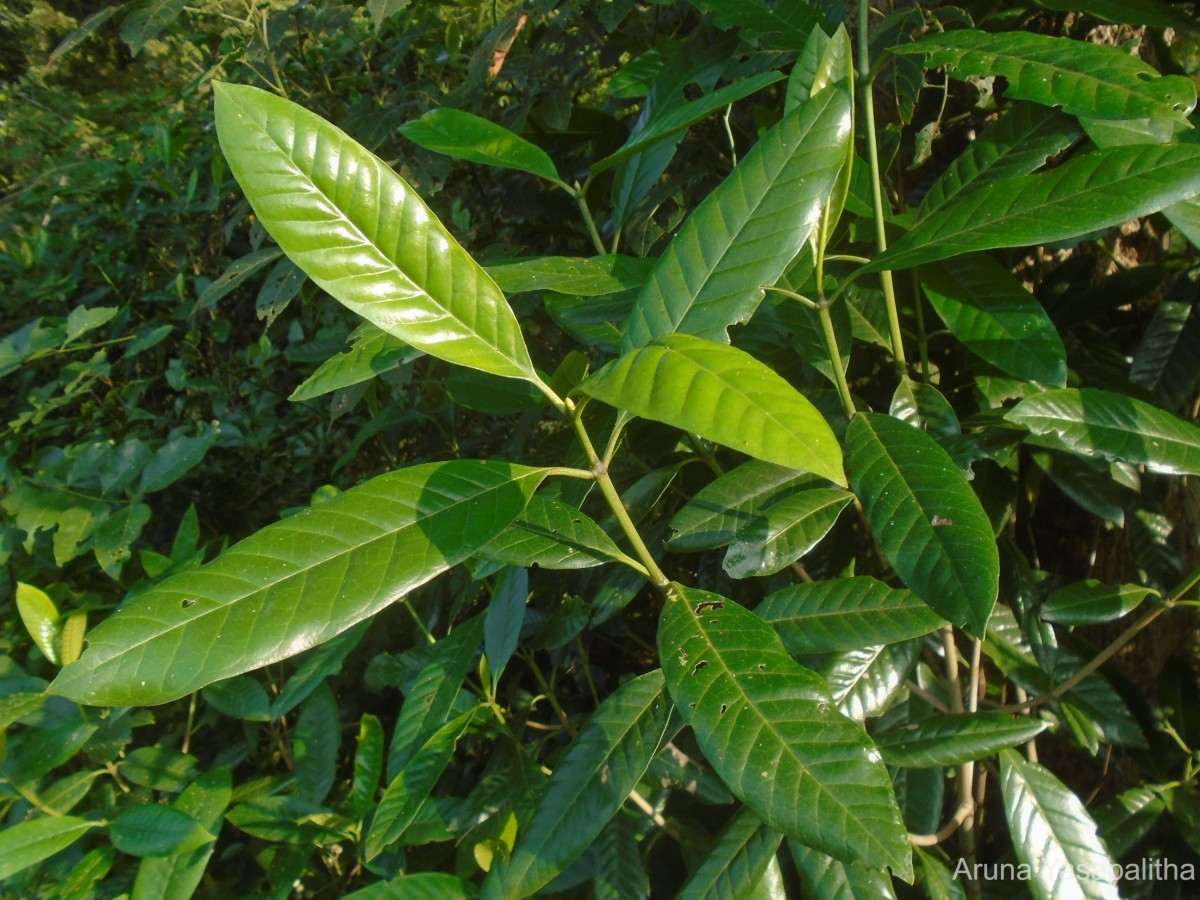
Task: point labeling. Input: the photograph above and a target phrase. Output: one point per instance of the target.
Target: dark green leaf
(949, 740)
(174, 459)
(723, 394)
(845, 614)
(463, 135)
(620, 871)
(738, 861)
(363, 235)
(156, 831)
(1124, 820)
(1092, 422)
(929, 523)
(146, 20)
(235, 275)
(589, 785)
(368, 766)
(784, 25)
(1164, 362)
(315, 744)
(297, 583)
(28, 843)
(1091, 602)
(505, 615)
(280, 288)
(241, 697)
(784, 532)
(825, 877)
(1156, 13)
(1053, 834)
(770, 729)
(160, 768)
(863, 681)
(87, 27)
(80, 883)
(113, 540)
(318, 665)
(553, 535)
(747, 231)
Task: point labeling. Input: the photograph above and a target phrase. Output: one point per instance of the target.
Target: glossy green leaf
(405, 794)
(160, 768)
(363, 235)
(40, 618)
(463, 135)
(987, 309)
(723, 394)
(830, 879)
(940, 882)
(770, 729)
(1053, 834)
(176, 877)
(737, 863)
(553, 535)
(433, 693)
(684, 115)
(924, 406)
(953, 739)
(28, 843)
(748, 230)
(1087, 193)
(315, 744)
(718, 511)
(864, 680)
(1091, 602)
(504, 617)
(784, 532)
(589, 785)
(147, 19)
(1124, 820)
(1164, 362)
(1081, 78)
(1020, 141)
(368, 766)
(297, 583)
(373, 353)
(927, 520)
(785, 25)
(154, 830)
(594, 277)
(598, 322)
(1092, 422)
(844, 614)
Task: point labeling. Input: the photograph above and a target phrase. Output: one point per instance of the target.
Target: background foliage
(542, 717)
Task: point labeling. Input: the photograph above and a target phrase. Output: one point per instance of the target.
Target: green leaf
(825, 877)
(146, 20)
(297, 583)
(319, 664)
(373, 352)
(1091, 602)
(784, 532)
(411, 787)
(1081, 78)
(620, 871)
(1087, 193)
(363, 235)
(86, 29)
(737, 863)
(1164, 360)
(1127, 818)
(553, 535)
(160, 768)
(368, 766)
(241, 697)
(236, 274)
(770, 729)
(940, 882)
(463, 135)
(927, 520)
(40, 617)
(1156, 13)
(176, 877)
(1092, 422)
(719, 510)
(594, 277)
(863, 681)
(176, 458)
(504, 617)
(1020, 141)
(154, 830)
(589, 785)
(844, 614)
(987, 309)
(723, 394)
(278, 289)
(953, 739)
(315, 744)
(14, 707)
(1053, 834)
(418, 886)
(80, 883)
(28, 843)
(748, 230)
(113, 540)
(784, 25)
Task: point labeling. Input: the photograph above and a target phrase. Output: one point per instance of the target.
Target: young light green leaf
(844, 614)
(1053, 834)
(363, 235)
(825, 877)
(409, 790)
(1093, 422)
(953, 739)
(1081, 78)
(770, 729)
(154, 830)
(1091, 602)
(297, 583)
(723, 394)
(374, 352)
(784, 532)
(929, 523)
(748, 230)
(590, 783)
(737, 863)
(40, 618)
(595, 277)
(463, 135)
(1085, 194)
(28, 843)
(987, 309)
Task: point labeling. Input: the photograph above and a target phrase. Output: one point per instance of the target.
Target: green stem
(835, 358)
(868, 101)
(922, 336)
(579, 192)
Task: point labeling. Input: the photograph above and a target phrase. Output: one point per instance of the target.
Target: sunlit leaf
(952, 739)
(1091, 602)
(463, 135)
(738, 861)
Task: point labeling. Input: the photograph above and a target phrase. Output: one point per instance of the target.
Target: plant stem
(835, 357)
(579, 192)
